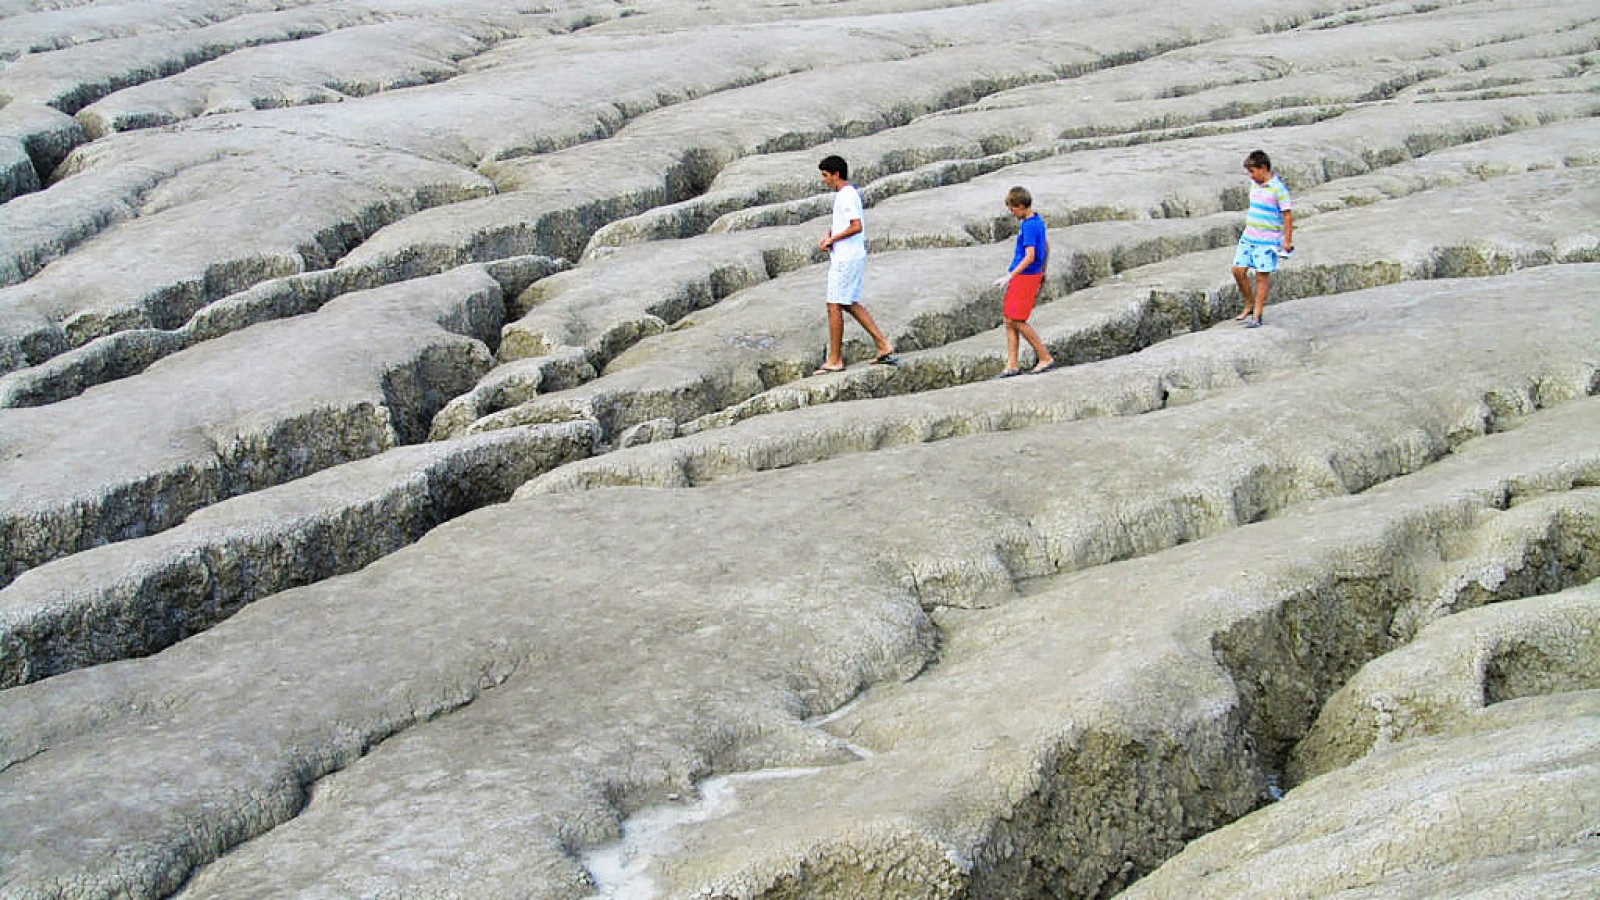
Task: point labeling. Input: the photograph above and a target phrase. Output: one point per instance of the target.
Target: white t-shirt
(847, 206)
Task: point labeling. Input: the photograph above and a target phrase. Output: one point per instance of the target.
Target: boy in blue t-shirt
(1022, 282)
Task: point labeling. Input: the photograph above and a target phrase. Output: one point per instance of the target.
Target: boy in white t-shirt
(847, 247)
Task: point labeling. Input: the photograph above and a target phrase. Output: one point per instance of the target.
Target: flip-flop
(824, 370)
(1010, 373)
(1040, 370)
(886, 359)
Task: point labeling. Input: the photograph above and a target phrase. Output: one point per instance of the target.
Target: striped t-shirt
(1264, 223)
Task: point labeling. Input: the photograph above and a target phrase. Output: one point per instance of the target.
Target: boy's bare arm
(854, 228)
(1024, 263)
(1288, 229)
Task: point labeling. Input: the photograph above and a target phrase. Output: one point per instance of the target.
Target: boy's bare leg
(835, 359)
(1263, 284)
(865, 319)
(1241, 277)
(1012, 362)
(1041, 353)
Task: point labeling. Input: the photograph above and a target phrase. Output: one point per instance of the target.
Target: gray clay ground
(412, 482)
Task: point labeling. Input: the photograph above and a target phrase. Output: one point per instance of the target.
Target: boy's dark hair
(1258, 160)
(835, 165)
(1019, 197)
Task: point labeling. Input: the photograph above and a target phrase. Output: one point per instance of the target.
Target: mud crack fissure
(1112, 803)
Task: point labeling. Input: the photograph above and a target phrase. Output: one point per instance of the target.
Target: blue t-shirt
(1031, 234)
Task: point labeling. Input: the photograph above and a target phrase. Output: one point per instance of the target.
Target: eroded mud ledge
(419, 523)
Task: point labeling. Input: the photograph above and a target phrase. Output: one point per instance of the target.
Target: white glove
(1003, 280)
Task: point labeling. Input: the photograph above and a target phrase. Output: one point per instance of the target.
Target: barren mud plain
(413, 483)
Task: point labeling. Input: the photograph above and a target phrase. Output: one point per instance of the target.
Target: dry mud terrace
(412, 482)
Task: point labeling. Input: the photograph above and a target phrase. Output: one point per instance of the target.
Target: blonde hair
(1019, 197)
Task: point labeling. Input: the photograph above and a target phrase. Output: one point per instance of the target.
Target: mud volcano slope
(412, 482)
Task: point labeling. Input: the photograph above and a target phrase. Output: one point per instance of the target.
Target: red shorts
(1020, 294)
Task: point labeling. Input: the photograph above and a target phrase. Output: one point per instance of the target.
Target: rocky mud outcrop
(413, 482)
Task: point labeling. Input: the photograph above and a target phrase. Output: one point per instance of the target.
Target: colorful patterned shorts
(1261, 257)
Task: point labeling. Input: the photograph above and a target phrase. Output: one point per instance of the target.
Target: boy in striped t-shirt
(1268, 236)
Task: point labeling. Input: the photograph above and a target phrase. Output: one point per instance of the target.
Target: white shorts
(845, 277)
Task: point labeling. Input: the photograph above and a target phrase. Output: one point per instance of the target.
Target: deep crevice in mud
(102, 360)
(1287, 661)
(1107, 814)
(286, 450)
(1566, 553)
(185, 587)
(1113, 806)
(1265, 492)
(24, 265)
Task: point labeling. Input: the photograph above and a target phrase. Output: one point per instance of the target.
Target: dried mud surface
(413, 482)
